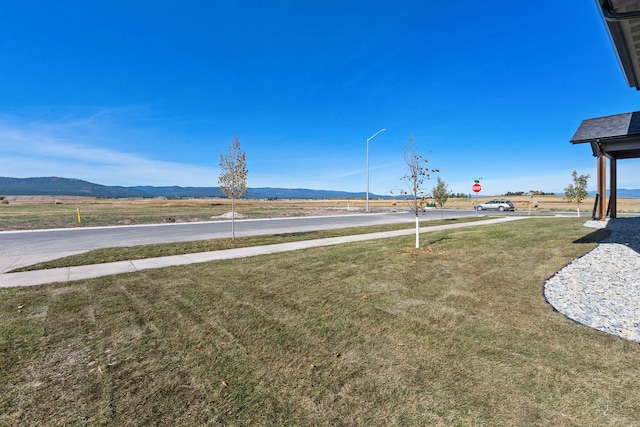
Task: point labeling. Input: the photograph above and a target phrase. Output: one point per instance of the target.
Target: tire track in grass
(65, 378)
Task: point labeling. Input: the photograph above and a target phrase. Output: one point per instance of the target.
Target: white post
(367, 204)
(369, 139)
(476, 203)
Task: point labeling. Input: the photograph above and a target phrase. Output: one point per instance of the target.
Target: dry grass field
(33, 212)
(49, 212)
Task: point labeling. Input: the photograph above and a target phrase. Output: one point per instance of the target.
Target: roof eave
(595, 146)
(613, 23)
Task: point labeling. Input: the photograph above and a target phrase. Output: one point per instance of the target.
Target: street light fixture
(369, 139)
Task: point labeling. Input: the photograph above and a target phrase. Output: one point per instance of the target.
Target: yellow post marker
(79, 219)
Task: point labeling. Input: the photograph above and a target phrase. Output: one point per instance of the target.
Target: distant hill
(622, 192)
(178, 192)
(56, 186)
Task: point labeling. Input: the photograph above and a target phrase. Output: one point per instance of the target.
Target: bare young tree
(233, 176)
(417, 172)
(440, 194)
(577, 191)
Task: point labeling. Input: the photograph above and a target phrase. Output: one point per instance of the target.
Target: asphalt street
(22, 248)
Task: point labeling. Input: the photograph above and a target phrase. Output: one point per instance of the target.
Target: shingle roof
(618, 136)
(616, 126)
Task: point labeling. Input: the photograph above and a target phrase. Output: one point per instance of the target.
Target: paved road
(22, 248)
(66, 274)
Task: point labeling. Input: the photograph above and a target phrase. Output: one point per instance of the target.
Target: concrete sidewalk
(67, 274)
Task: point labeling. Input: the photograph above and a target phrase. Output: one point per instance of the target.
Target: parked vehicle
(496, 204)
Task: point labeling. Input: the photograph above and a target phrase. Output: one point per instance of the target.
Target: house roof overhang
(617, 136)
(622, 19)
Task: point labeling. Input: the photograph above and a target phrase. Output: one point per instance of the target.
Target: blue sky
(150, 93)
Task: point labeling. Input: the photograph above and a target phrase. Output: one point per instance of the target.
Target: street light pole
(369, 139)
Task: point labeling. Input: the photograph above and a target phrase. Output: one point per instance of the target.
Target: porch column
(601, 208)
(613, 188)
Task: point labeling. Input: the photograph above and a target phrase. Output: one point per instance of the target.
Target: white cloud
(38, 150)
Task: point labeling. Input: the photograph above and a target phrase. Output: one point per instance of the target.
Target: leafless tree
(417, 173)
(233, 176)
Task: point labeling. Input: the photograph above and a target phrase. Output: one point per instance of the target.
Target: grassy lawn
(374, 333)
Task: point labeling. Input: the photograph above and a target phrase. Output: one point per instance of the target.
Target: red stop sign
(476, 188)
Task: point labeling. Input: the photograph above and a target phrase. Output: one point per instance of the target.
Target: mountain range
(622, 193)
(56, 186)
